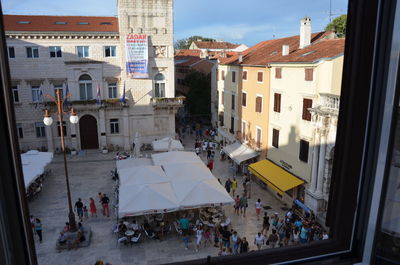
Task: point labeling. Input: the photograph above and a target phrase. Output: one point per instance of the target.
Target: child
(85, 212)
(199, 235)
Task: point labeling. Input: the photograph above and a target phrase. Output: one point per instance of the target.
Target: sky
(237, 21)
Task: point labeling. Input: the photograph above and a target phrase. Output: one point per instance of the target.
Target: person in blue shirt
(184, 222)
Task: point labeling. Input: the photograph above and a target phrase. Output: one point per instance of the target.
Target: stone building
(86, 56)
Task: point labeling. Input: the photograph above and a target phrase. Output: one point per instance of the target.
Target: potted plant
(73, 151)
(104, 150)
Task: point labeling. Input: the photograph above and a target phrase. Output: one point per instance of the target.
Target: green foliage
(198, 101)
(185, 43)
(338, 25)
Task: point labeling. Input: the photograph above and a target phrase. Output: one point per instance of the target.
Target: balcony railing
(167, 102)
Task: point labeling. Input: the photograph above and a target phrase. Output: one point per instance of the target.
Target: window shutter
(222, 75)
(307, 103)
(275, 138)
(309, 74)
(244, 75)
(278, 73)
(233, 77)
(277, 102)
(222, 97)
(217, 75)
(303, 154)
(233, 102)
(260, 76)
(258, 104)
(244, 99)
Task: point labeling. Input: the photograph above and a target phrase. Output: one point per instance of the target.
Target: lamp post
(48, 120)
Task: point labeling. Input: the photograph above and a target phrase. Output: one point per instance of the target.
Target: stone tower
(305, 32)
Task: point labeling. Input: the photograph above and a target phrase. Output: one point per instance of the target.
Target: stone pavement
(90, 174)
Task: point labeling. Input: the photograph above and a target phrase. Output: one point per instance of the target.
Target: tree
(338, 25)
(198, 101)
(185, 43)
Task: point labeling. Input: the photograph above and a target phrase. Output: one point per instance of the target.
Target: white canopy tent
(133, 162)
(239, 152)
(167, 144)
(33, 165)
(178, 181)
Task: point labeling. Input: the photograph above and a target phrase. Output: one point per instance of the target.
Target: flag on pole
(66, 102)
(98, 93)
(123, 95)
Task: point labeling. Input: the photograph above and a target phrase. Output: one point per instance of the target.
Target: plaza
(90, 174)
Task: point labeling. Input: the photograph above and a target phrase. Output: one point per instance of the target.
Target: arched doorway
(88, 132)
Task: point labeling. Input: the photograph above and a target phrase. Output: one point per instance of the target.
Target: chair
(135, 239)
(114, 229)
(122, 240)
(147, 234)
(227, 222)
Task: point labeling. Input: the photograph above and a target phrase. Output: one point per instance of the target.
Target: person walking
(85, 212)
(207, 237)
(258, 208)
(244, 245)
(79, 208)
(236, 242)
(259, 240)
(275, 219)
(92, 206)
(38, 228)
(243, 204)
(265, 225)
(185, 239)
(199, 236)
(237, 205)
(210, 164)
(273, 239)
(228, 185)
(234, 186)
(104, 203)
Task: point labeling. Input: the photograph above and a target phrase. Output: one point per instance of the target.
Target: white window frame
(112, 90)
(55, 50)
(15, 92)
(258, 128)
(114, 126)
(262, 102)
(8, 51)
(32, 49)
(159, 87)
(42, 130)
(36, 97)
(262, 77)
(112, 48)
(85, 52)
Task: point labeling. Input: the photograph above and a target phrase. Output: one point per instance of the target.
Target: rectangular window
(243, 130)
(32, 52)
(112, 90)
(11, 52)
(258, 137)
(114, 126)
(278, 73)
(307, 103)
(85, 91)
(233, 77)
(222, 75)
(233, 102)
(110, 51)
(277, 102)
(244, 99)
(82, 51)
(20, 131)
(275, 138)
(36, 94)
(308, 74)
(258, 104)
(221, 118)
(222, 97)
(260, 77)
(60, 87)
(40, 129)
(64, 126)
(15, 93)
(159, 90)
(55, 51)
(232, 130)
(244, 75)
(303, 154)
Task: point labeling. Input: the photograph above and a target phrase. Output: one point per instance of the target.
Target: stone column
(49, 138)
(315, 159)
(74, 142)
(321, 164)
(103, 138)
(125, 122)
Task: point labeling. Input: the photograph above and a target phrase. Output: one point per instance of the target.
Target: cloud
(236, 32)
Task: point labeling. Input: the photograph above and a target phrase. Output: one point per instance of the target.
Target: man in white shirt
(259, 240)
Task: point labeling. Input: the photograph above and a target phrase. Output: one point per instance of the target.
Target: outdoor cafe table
(211, 210)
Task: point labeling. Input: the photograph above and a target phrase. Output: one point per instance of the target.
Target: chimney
(240, 59)
(305, 32)
(285, 50)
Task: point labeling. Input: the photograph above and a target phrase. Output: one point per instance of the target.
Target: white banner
(137, 56)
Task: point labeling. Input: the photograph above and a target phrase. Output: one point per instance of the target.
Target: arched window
(159, 86)
(85, 87)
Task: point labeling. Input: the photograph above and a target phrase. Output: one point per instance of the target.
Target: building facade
(85, 56)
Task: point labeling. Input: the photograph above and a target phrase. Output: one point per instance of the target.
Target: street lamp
(48, 120)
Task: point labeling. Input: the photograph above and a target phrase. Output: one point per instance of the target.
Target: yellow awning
(274, 176)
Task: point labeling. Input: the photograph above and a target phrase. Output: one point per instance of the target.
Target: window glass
(82, 51)
(233, 102)
(233, 77)
(40, 129)
(114, 126)
(32, 52)
(112, 90)
(303, 154)
(11, 52)
(36, 94)
(64, 126)
(15, 93)
(55, 51)
(110, 51)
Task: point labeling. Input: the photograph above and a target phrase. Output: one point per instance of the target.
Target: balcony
(167, 103)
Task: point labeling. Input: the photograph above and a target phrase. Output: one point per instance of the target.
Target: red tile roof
(215, 45)
(188, 52)
(270, 51)
(57, 23)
